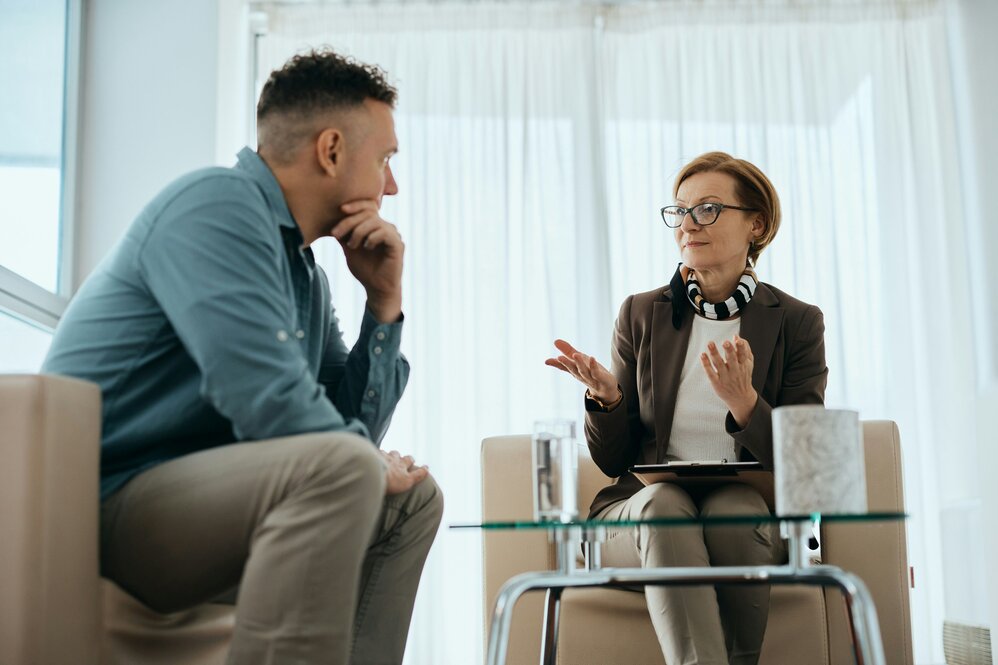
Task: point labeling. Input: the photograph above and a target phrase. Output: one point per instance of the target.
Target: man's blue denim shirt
(209, 323)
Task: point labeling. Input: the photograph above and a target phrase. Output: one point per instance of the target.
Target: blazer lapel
(760, 327)
(668, 352)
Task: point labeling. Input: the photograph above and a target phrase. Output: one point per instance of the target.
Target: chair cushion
(600, 626)
(136, 635)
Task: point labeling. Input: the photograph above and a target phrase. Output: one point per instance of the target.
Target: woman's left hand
(731, 377)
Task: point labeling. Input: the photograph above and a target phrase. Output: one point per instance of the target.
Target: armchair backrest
(49, 455)
(876, 551)
(507, 495)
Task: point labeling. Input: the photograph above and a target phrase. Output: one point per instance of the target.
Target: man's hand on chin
(402, 473)
(373, 249)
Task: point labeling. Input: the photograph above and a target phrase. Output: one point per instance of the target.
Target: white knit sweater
(698, 427)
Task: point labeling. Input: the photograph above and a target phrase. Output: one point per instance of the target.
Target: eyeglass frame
(689, 211)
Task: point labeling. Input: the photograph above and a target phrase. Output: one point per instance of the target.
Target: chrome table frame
(862, 613)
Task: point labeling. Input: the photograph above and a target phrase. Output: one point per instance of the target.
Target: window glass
(24, 346)
(32, 78)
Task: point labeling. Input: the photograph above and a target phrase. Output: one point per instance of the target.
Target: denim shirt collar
(252, 163)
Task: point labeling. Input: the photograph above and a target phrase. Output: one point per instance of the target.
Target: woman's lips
(694, 245)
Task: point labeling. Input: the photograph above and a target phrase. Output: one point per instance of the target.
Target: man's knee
(426, 500)
(343, 458)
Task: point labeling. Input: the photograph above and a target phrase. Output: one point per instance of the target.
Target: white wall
(987, 407)
(149, 81)
(236, 108)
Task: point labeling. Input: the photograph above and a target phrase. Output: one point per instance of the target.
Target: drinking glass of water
(556, 470)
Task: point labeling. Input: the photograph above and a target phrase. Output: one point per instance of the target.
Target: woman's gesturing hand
(731, 376)
(601, 383)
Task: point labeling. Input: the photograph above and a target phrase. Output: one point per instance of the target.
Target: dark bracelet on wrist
(605, 405)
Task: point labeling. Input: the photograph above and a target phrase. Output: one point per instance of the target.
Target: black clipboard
(709, 473)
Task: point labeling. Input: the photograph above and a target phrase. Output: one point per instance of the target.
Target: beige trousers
(697, 625)
(322, 565)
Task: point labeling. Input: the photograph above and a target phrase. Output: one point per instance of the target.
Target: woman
(697, 368)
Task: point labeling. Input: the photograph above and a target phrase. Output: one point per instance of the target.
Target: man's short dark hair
(308, 84)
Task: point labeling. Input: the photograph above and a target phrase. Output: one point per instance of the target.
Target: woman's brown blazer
(648, 350)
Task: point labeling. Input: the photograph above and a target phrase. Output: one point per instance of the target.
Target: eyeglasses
(704, 214)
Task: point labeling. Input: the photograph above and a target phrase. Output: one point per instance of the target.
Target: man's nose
(391, 187)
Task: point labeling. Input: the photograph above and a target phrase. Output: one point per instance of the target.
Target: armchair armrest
(876, 551)
(507, 495)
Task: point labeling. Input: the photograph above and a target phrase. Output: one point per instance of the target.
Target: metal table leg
(865, 627)
(869, 646)
(549, 638)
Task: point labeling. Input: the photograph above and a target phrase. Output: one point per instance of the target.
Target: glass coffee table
(587, 535)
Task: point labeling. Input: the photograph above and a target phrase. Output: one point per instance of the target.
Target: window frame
(18, 295)
(25, 299)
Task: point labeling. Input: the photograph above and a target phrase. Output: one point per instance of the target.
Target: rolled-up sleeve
(214, 264)
(367, 381)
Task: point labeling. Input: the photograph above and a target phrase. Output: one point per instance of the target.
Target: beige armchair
(807, 625)
(54, 608)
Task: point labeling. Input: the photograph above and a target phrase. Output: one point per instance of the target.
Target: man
(237, 450)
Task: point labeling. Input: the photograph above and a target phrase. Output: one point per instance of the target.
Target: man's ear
(329, 149)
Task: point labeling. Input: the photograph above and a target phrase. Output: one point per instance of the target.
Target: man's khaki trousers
(322, 565)
(696, 625)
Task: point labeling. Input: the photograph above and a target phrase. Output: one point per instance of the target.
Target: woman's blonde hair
(752, 187)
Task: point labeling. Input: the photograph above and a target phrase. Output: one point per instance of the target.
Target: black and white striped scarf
(730, 307)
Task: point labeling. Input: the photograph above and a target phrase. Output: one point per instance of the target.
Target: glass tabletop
(814, 518)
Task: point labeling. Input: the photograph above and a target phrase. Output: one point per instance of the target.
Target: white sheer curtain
(538, 142)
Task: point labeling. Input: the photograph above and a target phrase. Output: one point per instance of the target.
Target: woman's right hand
(601, 383)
